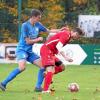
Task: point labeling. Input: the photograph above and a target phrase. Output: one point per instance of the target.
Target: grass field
(22, 88)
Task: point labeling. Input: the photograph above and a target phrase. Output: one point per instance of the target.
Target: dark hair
(35, 12)
(79, 31)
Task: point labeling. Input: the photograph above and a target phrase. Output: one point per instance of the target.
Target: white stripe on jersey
(52, 41)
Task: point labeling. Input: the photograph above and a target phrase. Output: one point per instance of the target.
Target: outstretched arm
(65, 56)
(59, 47)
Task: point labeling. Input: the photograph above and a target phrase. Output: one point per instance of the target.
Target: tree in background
(98, 5)
(73, 8)
(8, 20)
(55, 13)
(52, 11)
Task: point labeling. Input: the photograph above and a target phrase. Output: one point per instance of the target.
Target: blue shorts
(30, 57)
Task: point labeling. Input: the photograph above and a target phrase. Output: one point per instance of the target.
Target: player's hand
(40, 38)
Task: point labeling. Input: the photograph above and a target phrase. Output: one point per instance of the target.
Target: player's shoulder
(65, 32)
(25, 23)
(38, 24)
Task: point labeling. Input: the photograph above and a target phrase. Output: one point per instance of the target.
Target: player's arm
(25, 34)
(32, 41)
(60, 52)
(52, 32)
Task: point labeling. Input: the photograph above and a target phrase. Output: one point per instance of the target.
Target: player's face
(75, 35)
(36, 19)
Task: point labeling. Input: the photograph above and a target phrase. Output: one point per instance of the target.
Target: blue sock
(40, 78)
(11, 76)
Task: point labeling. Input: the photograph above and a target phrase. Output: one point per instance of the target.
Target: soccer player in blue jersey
(30, 31)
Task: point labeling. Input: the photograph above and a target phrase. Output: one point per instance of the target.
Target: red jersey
(63, 37)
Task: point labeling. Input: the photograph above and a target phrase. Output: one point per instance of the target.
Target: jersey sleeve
(64, 38)
(42, 28)
(24, 30)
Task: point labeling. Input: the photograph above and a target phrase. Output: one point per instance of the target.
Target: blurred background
(56, 13)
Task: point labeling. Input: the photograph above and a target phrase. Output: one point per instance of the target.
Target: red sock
(47, 81)
(58, 69)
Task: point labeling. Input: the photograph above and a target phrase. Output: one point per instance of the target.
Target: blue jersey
(29, 31)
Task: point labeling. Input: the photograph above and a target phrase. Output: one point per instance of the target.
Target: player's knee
(22, 68)
(22, 65)
(50, 69)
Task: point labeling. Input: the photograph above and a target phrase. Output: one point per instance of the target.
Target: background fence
(55, 13)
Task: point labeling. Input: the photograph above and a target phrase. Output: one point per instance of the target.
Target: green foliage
(74, 8)
(55, 13)
(52, 11)
(8, 24)
(9, 14)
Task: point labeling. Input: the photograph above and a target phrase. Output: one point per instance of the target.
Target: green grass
(22, 87)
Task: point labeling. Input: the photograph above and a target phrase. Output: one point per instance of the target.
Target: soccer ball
(73, 87)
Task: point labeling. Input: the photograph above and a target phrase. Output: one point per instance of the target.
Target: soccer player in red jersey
(53, 46)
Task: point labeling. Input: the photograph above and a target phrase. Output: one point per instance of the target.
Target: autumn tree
(73, 8)
(52, 11)
(8, 20)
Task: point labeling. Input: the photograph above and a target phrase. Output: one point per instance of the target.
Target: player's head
(35, 15)
(77, 32)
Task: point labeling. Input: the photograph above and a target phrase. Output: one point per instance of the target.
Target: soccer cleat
(48, 91)
(2, 87)
(38, 89)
